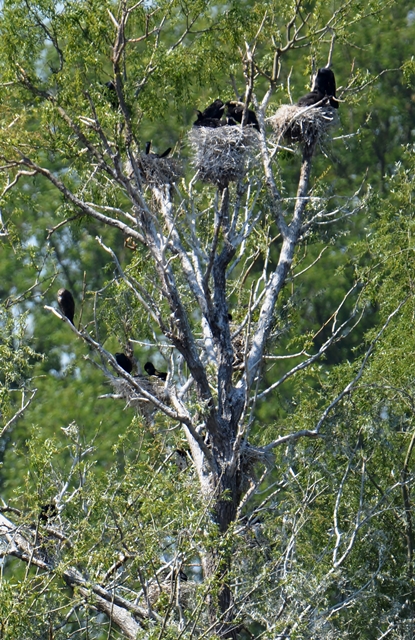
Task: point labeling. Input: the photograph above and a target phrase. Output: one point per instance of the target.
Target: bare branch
(19, 413)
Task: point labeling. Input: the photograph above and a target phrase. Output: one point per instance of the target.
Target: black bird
(325, 83)
(48, 512)
(311, 98)
(214, 110)
(165, 153)
(124, 362)
(235, 112)
(156, 155)
(152, 371)
(66, 304)
(324, 90)
(111, 94)
(211, 116)
(211, 123)
(182, 575)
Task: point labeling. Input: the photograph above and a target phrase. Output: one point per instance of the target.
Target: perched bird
(48, 512)
(124, 362)
(156, 155)
(214, 110)
(111, 94)
(181, 575)
(152, 371)
(66, 304)
(325, 83)
(310, 98)
(235, 111)
(324, 90)
(110, 86)
(211, 116)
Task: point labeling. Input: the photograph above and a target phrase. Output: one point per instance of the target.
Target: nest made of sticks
(144, 406)
(220, 154)
(302, 124)
(156, 171)
(251, 455)
(181, 593)
(240, 346)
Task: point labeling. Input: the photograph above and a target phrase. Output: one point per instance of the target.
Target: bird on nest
(124, 362)
(235, 111)
(152, 371)
(156, 155)
(211, 116)
(324, 91)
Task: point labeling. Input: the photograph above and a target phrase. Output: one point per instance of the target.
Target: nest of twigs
(302, 124)
(220, 154)
(240, 346)
(180, 594)
(251, 455)
(132, 395)
(157, 171)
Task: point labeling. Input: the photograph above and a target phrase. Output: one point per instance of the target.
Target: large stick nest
(220, 154)
(181, 593)
(251, 455)
(158, 171)
(299, 124)
(144, 406)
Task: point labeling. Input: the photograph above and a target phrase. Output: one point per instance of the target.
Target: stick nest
(158, 171)
(251, 455)
(219, 154)
(144, 406)
(182, 594)
(299, 124)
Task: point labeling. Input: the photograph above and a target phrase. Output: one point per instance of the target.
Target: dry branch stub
(145, 407)
(220, 154)
(158, 171)
(299, 124)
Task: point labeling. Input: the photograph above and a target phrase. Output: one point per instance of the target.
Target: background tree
(204, 509)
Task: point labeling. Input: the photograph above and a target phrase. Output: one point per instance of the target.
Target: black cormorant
(324, 91)
(211, 116)
(156, 155)
(152, 371)
(66, 304)
(235, 112)
(124, 362)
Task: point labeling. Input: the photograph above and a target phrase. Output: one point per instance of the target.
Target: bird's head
(149, 368)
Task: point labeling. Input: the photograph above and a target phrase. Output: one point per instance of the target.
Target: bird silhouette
(235, 111)
(311, 98)
(48, 512)
(111, 94)
(152, 371)
(325, 83)
(211, 116)
(156, 155)
(324, 91)
(66, 304)
(124, 362)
